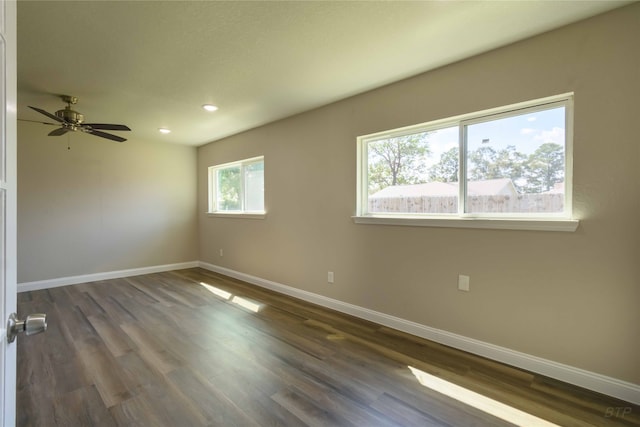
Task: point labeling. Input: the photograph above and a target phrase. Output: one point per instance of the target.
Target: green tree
(229, 189)
(487, 163)
(510, 163)
(446, 170)
(544, 168)
(482, 163)
(398, 160)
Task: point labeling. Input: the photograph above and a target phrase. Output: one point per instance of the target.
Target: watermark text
(617, 411)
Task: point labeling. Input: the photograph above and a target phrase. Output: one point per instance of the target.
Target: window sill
(237, 215)
(566, 225)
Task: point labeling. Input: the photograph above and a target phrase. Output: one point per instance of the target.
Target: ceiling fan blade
(58, 132)
(106, 126)
(106, 135)
(37, 121)
(51, 116)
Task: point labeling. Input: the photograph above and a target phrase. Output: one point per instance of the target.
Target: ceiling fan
(72, 121)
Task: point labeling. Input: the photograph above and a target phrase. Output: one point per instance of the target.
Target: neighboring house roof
(558, 188)
(492, 187)
(489, 187)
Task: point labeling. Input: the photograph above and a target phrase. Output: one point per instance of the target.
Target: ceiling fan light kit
(73, 121)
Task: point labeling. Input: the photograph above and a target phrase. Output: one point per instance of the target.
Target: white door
(8, 208)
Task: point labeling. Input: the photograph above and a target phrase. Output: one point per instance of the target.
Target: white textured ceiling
(152, 64)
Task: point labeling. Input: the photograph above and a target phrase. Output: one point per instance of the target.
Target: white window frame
(563, 221)
(213, 186)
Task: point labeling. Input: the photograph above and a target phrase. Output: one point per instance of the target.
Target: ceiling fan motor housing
(70, 116)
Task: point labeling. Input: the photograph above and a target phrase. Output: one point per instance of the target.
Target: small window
(508, 163)
(238, 187)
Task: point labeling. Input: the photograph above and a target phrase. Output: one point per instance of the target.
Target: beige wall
(102, 206)
(569, 297)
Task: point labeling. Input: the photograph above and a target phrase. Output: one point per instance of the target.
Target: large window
(238, 187)
(511, 164)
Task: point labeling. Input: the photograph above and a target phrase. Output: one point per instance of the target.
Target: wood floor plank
(307, 411)
(163, 349)
(137, 412)
(216, 407)
(75, 326)
(151, 289)
(113, 337)
(136, 373)
(347, 402)
(103, 368)
(117, 313)
(150, 349)
(171, 406)
(440, 414)
(35, 407)
(82, 407)
(257, 408)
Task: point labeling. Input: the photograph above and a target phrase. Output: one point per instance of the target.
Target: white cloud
(532, 118)
(555, 135)
(527, 131)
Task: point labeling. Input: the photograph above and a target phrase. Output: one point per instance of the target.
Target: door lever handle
(33, 324)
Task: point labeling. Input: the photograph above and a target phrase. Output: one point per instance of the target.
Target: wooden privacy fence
(534, 203)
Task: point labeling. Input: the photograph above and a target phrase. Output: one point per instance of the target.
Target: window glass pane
(254, 187)
(228, 189)
(416, 173)
(517, 164)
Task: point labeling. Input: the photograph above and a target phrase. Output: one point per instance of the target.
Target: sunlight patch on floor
(219, 292)
(242, 302)
(478, 401)
(245, 303)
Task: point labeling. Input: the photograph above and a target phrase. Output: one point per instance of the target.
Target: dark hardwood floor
(186, 348)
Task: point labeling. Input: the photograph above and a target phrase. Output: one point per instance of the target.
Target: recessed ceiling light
(164, 130)
(209, 107)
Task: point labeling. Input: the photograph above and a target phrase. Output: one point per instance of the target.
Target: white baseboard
(590, 380)
(74, 280)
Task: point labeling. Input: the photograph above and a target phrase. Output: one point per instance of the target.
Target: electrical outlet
(221, 252)
(330, 277)
(463, 283)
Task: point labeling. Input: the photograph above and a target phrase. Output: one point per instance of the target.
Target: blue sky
(526, 131)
